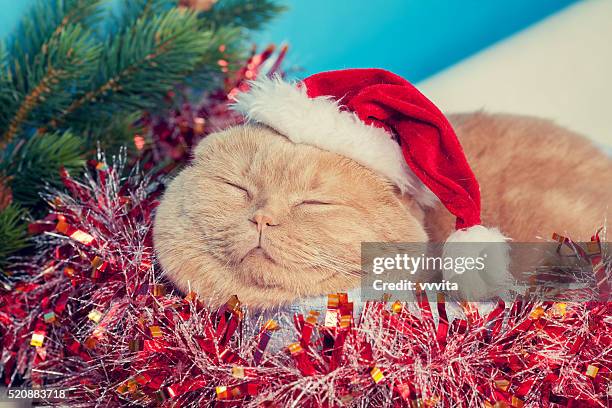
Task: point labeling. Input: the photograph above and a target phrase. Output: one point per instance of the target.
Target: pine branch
(225, 51)
(140, 65)
(116, 135)
(35, 164)
(13, 232)
(5, 86)
(45, 21)
(61, 62)
(29, 102)
(64, 60)
(40, 29)
(132, 10)
(248, 14)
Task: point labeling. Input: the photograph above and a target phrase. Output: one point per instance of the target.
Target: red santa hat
(383, 122)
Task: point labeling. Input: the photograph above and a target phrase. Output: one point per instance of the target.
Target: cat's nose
(263, 220)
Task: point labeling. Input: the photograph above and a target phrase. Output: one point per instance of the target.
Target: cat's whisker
(322, 261)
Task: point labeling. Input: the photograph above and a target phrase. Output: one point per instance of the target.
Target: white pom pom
(489, 243)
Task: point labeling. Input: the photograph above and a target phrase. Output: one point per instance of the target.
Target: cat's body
(272, 221)
(535, 178)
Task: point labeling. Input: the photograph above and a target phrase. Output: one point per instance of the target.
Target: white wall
(560, 68)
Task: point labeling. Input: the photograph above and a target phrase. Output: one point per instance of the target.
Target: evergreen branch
(64, 62)
(141, 64)
(35, 164)
(45, 21)
(3, 57)
(116, 135)
(75, 13)
(28, 104)
(249, 14)
(132, 10)
(224, 46)
(5, 86)
(13, 232)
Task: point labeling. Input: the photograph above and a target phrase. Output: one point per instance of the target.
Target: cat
(258, 216)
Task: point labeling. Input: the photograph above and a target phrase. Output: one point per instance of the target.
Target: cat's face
(271, 221)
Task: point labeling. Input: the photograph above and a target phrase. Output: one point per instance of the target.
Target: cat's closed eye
(315, 202)
(238, 188)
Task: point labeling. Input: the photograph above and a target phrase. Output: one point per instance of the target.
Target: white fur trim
(480, 241)
(320, 122)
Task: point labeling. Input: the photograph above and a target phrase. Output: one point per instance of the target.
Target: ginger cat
(272, 221)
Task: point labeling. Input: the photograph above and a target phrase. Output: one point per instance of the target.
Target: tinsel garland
(92, 314)
(96, 318)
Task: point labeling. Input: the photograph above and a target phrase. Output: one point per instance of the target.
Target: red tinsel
(96, 318)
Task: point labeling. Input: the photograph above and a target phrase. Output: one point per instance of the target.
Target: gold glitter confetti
(537, 313)
(313, 316)
(95, 315)
(376, 374)
(592, 371)
(238, 372)
(294, 348)
(155, 331)
(271, 325)
(82, 237)
(38, 338)
(502, 384)
(158, 290)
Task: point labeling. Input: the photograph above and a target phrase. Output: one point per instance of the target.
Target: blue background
(414, 38)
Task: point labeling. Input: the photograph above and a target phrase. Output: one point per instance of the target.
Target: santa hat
(383, 122)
